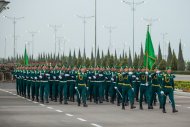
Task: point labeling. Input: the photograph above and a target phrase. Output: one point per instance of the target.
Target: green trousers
(169, 92)
(136, 90)
(33, 84)
(62, 88)
(127, 92)
(44, 91)
(145, 90)
(112, 92)
(28, 85)
(23, 86)
(106, 89)
(50, 89)
(37, 88)
(98, 91)
(81, 93)
(21, 83)
(55, 89)
(156, 90)
(71, 89)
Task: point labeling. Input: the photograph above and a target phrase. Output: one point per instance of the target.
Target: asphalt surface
(182, 77)
(16, 111)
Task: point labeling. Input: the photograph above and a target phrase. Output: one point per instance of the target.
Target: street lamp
(33, 34)
(110, 28)
(60, 39)
(14, 19)
(84, 18)
(55, 27)
(133, 4)
(3, 5)
(95, 32)
(150, 21)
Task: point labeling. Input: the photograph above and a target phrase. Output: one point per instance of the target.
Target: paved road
(182, 77)
(16, 111)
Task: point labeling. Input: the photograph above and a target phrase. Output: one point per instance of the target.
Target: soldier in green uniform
(145, 87)
(63, 86)
(156, 87)
(37, 84)
(33, 82)
(28, 81)
(112, 89)
(167, 89)
(50, 82)
(54, 76)
(107, 83)
(137, 84)
(81, 87)
(23, 83)
(44, 86)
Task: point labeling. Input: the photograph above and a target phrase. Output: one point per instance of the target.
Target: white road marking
(28, 100)
(35, 102)
(14, 94)
(188, 107)
(58, 110)
(96, 125)
(83, 120)
(50, 107)
(69, 114)
(178, 105)
(42, 105)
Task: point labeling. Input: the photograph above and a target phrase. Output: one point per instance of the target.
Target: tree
(180, 62)
(169, 59)
(130, 59)
(174, 62)
(188, 66)
(162, 65)
(135, 61)
(98, 57)
(69, 59)
(141, 59)
(92, 58)
(79, 62)
(159, 58)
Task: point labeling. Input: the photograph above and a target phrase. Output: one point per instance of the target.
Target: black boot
(65, 102)
(85, 105)
(141, 107)
(164, 109)
(174, 110)
(78, 103)
(123, 106)
(132, 106)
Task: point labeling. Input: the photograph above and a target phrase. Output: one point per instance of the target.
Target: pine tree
(92, 58)
(98, 57)
(174, 62)
(188, 66)
(69, 59)
(180, 62)
(135, 61)
(169, 59)
(79, 62)
(130, 59)
(162, 65)
(141, 59)
(159, 58)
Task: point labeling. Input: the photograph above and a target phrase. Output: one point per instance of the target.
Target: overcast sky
(173, 14)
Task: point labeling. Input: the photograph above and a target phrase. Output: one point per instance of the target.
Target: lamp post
(33, 34)
(150, 21)
(84, 18)
(3, 5)
(164, 46)
(55, 27)
(110, 29)
(14, 19)
(133, 4)
(95, 61)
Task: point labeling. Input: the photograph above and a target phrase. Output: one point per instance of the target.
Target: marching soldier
(81, 87)
(167, 90)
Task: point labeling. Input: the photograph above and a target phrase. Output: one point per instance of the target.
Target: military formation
(120, 85)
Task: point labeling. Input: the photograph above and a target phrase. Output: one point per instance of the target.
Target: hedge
(183, 85)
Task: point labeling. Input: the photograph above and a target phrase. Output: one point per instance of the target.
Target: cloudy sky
(173, 14)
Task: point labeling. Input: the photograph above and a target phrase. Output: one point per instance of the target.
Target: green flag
(149, 56)
(25, 57)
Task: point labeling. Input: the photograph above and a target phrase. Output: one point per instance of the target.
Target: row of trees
(108, 59)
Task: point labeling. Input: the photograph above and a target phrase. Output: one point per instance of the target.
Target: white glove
(162, 92)
(146, 73)
(130, 73)
(87, 88)
(115, 87)
(132, 89)
(49, 78)
(40, 77)
(60, 77)
(35, 78)
(75, 87)
(94, 77)
(157, 72)
(67, 75)
(89, 78)
(134, 76)
(54, 77)
(31, 77)
(112, 79)
(100, 75)
(137, 78)
(146, 84)
(47, 74)
(72, 76)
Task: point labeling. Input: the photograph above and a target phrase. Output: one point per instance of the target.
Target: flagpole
(147, 57)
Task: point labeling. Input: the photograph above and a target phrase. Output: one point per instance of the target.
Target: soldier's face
(169, 71)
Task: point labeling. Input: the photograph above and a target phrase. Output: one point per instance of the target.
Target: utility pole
(133, 4)
(84, 18)
(95, 33)
(14, 19)
(110, 29)
(55, 27)
(164, 44)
